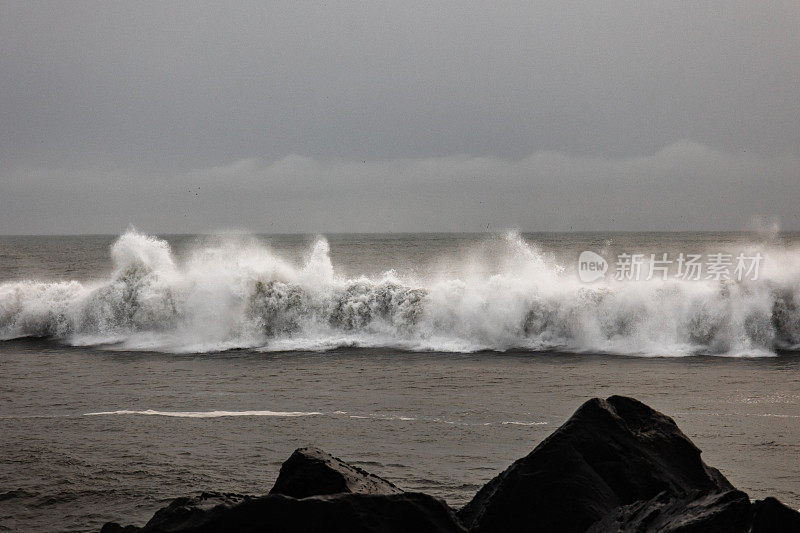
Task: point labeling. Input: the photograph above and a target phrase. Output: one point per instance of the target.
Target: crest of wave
(135, 295)
(530, 301)
(149, 300)
(236, 292)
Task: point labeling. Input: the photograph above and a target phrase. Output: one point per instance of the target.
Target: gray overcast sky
(404, 116)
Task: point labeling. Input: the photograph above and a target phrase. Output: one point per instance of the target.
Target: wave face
(233, 295)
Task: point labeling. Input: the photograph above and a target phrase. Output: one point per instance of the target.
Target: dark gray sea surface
(135, 369)
(91, 435)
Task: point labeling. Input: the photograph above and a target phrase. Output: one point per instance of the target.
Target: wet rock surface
(312, 472)
(615, 466)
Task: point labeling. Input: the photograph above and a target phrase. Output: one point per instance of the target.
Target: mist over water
(507, 292)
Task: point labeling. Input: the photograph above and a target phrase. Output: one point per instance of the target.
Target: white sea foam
(287, 414)
(234, 295)
(205, 414)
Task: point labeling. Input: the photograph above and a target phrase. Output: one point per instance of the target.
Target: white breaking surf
(245, 296)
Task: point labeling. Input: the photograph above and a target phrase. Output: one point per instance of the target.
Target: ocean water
(135, 368)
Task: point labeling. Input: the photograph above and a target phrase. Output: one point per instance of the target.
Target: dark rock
(610, 453)
(770, 515)
(312, 472)
(336, 513)
(113, 527)
(193, 512)
(185, 512)
(314, 492)
(717, 512)
(616, 466)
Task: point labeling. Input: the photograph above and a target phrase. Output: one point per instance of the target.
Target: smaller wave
(17, 494)
(26, 417)
(787, 399)
(291, 414)
(205, 414)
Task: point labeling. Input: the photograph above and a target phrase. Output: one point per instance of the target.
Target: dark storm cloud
(111, 113)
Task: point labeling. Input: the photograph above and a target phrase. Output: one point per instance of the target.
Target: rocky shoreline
(615, 466)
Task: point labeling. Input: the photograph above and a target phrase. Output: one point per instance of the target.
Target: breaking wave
(230, 296)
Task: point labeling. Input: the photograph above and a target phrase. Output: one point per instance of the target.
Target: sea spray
(236, 294)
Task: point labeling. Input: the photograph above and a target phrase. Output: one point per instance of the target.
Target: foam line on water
(205, 414)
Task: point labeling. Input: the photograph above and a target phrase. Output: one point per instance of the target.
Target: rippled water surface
(90, 436)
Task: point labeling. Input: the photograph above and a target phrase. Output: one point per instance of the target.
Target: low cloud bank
(684, 186)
